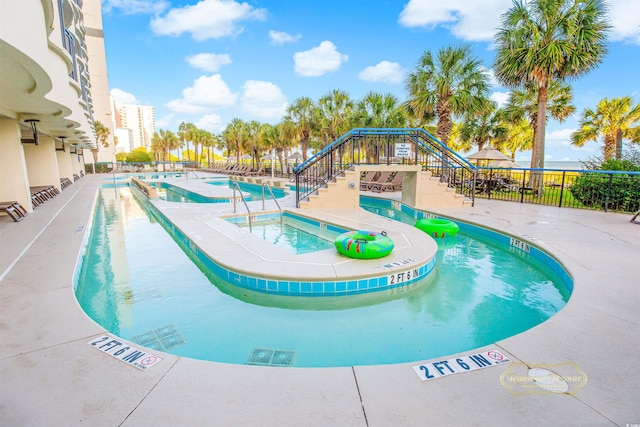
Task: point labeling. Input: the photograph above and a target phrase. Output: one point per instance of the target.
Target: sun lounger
(394, 185)
(14, 209)
(635, 217)
(382, 179)
(367, 180)
(256, 172)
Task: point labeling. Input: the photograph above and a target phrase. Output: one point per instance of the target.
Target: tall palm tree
(235, 135)
(544, 40)
(163, 142)
(449, 84)
(303, 114)
(523, 103)
(613, 119)
(335, 111)
(519, 137)
(487, 125)
(378, 110)
(102, 138)
(186, 133)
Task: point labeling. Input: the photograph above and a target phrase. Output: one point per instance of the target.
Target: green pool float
(364, 244)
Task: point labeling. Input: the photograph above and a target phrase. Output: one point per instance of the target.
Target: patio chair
(15, 211)
(380, 181)
(367, 180)
(257, 172)
(394, 185)
(635, 217)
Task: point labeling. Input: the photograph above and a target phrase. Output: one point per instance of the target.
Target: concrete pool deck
(50, 376)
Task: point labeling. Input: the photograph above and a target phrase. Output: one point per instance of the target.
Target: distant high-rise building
(140, 119)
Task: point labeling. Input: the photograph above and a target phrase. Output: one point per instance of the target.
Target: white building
(140, 119)
(49, 100)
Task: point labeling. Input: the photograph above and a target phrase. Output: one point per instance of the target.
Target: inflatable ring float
(437, 227)
(364, 244)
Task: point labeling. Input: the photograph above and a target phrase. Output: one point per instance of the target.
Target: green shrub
(622, 190)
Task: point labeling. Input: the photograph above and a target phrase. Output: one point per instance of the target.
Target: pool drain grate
(163, 338)
(267, 357)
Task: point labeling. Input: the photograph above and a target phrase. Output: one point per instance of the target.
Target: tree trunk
(619, 144)
(537, 156)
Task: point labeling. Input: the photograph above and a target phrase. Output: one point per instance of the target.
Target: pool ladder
(235, 185)
(265, 185)
(268, 187)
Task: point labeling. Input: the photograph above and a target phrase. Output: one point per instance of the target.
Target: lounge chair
(382, 179)
(634, 217)
(258, 172)
(14, 209)
(367, 180)
(394, 185)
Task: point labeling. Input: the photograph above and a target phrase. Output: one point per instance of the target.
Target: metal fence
(617, 191)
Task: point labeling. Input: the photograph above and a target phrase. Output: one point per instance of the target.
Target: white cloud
(625, 19)
(559, 138)
(279, 37)
(263, 100)
(165, 121)
(207, 19)
(208, 61)
(319, 60)
(132, 7)
(210, 122)
(207, 93)
(500, 97)
(385, 71)
(123, 97)
(469, 20)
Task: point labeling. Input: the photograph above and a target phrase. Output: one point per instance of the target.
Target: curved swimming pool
(139, 284)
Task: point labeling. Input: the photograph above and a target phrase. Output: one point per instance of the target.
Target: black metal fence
(617, 191)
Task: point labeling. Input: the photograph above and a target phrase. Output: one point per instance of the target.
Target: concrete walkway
(50, 376)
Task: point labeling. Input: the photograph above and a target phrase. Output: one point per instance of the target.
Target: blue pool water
(250, 192)
(254, 190)
(291, 234)
(139, 284)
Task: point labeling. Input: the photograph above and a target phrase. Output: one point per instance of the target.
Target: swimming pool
(292, 234)
(173, 193)
(254, 190)
(158, 294)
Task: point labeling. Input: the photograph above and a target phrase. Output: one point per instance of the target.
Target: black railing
(380, 146)
(617, 191)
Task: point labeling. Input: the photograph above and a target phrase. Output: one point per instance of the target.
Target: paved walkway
(50, 376)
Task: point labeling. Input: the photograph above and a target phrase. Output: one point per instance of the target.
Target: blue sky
(208, 61)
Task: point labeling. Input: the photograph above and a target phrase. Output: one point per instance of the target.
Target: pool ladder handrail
(268, 187)
(235, 184)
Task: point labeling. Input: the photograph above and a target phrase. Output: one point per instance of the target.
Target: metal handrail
(376, 146)
(268, 187)
(235, 184)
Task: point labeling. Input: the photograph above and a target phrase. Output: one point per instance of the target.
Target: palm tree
(234, 135)
(378, 110)
(186, 134)
(485, 126)
(102, 138)
(335, 111)
(452, 83)
(303, 114)
(162, 142)
(523, 103)
(613, 119)
(544, 40)
(519, 137)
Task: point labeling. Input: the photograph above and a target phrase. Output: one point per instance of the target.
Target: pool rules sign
(124, 352)
(441, 368)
